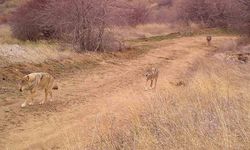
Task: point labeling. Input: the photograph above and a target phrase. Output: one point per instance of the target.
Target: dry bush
(26, 20)
(214, 13)
(165, 2)
(3, 19)
(83, 23)
(139, 12)
(211, 13)
(2, 1)
(130, 13)
(240, 18)
(210, 112)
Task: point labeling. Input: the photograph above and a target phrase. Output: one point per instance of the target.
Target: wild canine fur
(152, 75)
(209, 39)
(37, 81)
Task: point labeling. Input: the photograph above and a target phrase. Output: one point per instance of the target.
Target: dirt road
(114, 87)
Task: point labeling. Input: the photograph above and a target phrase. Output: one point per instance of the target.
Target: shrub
(83, 23)
(212, 13)
(3, 19)
(138, 13)
(2, 1)
(240, 19)
(80, 22)
(165, 2)
(26, 21)
(215, 13)
(130, 12)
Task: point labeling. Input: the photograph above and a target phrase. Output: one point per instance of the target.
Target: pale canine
(37, 81)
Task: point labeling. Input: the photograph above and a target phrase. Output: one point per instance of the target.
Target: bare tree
(130, 12)
(139, 12)
(241, 19)
(213, 13)
(81, 22)
(25, 21)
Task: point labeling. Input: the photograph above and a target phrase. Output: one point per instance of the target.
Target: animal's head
(147, 73)
(24, 83)
(209, 38)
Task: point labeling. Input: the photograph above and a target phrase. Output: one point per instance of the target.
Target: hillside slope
(115, 87)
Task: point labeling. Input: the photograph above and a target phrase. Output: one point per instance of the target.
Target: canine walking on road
(152, 75)
(209, 39)
(37, 81)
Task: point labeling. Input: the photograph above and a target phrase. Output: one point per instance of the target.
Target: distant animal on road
(151, 74)
(209, 39)
(37, 81)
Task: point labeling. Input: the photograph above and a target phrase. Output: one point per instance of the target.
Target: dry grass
(5, 36)
(14, 51)
(210, 112)
(143, 31)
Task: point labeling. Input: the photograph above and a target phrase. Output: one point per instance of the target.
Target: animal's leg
(155, 82)
(24, 103)
(46, 97)
(209, 43)
(146, 84)
(50, 93)
(26, 100)
(151, 83)
(32, 96)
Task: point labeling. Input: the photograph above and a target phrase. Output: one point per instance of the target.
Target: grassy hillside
(208, 110)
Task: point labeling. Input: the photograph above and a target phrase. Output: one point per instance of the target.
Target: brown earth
(114, 86)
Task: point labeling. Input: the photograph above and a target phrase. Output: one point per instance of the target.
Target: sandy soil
(113, 87)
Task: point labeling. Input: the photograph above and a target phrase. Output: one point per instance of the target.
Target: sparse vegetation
(232, 14)
(26, 23)
(210, 112)
(202, 98)
(6, 7)
(160, 37)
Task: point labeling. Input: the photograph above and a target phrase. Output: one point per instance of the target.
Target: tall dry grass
(210, 112)
(143, 30)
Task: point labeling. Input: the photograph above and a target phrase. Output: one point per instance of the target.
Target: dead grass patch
(210, 112)
(143, 31)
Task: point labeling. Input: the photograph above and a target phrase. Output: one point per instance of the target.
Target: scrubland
(98, 58)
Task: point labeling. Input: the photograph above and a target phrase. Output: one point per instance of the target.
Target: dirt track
(113, 87)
